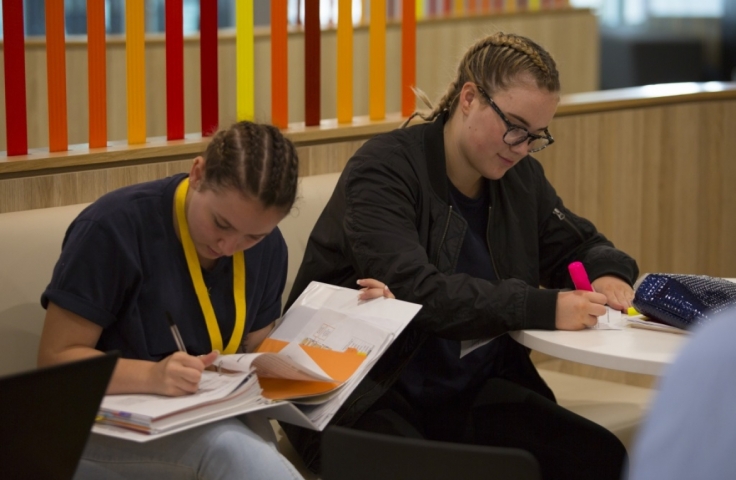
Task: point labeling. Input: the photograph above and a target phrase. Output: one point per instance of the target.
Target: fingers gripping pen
(579, 276)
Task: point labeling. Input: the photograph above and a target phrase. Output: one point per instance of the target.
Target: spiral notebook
(46, 416)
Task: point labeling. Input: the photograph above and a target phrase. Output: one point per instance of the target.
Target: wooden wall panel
(657, 181)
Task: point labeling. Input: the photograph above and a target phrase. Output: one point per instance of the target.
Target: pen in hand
(175, 332)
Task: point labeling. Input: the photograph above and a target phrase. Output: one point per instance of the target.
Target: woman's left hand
(371, 288)
(618, 292)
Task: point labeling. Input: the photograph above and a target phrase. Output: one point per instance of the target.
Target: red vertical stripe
(279, 64)
(408, 56)
(174, 69)
(16, 120)
(447, 8)
(96, 73)
(311, 63)
(208, 66)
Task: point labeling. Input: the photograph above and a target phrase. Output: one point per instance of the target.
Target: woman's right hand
(179, 373)
(578, 309)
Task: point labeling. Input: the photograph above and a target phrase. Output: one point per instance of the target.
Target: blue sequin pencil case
(683, 301)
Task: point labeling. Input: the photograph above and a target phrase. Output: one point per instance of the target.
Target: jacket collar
(434, 148)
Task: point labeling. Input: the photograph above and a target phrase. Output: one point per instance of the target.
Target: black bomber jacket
(390, 218)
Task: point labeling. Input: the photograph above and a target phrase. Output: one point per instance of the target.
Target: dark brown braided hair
(494, 63)
(256, 160)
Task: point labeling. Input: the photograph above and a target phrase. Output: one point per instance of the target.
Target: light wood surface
(656, 179)
(570, 34)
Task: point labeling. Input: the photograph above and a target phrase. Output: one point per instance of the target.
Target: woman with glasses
(455, 214)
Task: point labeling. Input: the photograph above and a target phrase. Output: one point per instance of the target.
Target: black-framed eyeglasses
(516, 134)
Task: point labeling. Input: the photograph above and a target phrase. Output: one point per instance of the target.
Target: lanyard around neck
(195, 270)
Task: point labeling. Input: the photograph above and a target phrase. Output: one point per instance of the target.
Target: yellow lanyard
(195, 271)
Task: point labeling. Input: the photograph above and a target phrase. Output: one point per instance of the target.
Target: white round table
(631, 349)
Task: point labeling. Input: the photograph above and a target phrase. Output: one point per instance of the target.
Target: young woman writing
(455, 214)
(204, 250)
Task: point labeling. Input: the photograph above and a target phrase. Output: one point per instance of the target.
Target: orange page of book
(338, 365)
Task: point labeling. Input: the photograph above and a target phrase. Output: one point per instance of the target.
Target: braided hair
(256, 160)
(495, 62)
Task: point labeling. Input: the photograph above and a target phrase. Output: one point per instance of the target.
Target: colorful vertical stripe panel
(245, 78)
(174, 69)
(96, 73)
(458, 7)
(279, 64)
(377, 61)
(344, 61)
(311, 63)
(135, 70)
(56, 76)
(408, 57)
(16, 114)
(209, 95)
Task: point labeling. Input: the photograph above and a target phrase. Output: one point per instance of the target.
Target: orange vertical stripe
(408, 57)
(96, 73)
(56, 75)
(377, 61)
(279, 64)
(344, 61)
(135, 70)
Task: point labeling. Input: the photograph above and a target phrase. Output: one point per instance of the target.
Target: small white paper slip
(611, 320)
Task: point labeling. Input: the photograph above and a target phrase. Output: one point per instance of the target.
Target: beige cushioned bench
(30, 243)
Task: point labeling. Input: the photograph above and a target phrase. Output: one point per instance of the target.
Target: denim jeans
(226, 449)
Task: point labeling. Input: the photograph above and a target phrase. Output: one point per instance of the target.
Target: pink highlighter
(579, 276)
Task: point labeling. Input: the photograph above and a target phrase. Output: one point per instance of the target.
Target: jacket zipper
(563, 218)
(444, 234)
(488, 242)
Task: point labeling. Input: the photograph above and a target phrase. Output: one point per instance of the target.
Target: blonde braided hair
(495, 62)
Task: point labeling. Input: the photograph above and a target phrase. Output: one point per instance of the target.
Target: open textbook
(307, 367)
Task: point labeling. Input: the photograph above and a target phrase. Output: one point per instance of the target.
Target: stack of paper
(641, 321)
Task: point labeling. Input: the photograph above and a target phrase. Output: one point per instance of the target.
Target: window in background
(635, 12)
(76, 15)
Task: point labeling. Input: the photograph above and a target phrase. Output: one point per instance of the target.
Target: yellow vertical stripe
(344, 61)
(377, 61)
(459, 7)
(135, 70)
(534, 4)
(419, 8)
(245, 75)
